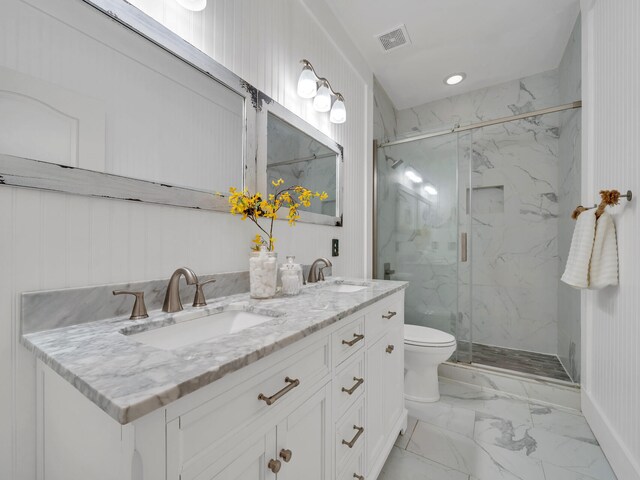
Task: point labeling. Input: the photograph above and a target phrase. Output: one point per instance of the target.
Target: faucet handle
(139, 308)
(199, 300)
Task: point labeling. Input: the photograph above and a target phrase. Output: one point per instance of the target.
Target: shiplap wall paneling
(53, 240)
(611, 376)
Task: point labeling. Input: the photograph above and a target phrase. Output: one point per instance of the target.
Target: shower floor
(518, 360)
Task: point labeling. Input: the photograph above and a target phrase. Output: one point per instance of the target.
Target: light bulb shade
(338, 112)
(193, 5)
(430, 189)
(307, 83)
(322, 100)
(412, 175)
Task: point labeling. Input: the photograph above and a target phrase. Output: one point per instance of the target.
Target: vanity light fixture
(325, 99)
(430, 189)
(193, 5)
(455, 78)
(412, 175)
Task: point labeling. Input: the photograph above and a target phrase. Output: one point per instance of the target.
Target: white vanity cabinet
(327, 407)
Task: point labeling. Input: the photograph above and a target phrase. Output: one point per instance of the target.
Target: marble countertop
(128, 379)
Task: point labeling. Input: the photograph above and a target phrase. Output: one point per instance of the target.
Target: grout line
(412, 432)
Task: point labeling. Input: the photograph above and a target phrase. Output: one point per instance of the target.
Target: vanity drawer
(386, 315)
(354, 470)
(348, 384)
(348, 340)
(198, 437)
(350, 435)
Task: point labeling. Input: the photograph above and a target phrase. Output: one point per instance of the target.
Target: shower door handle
(463, 247)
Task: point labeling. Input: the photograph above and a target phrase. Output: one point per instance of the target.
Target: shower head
(395, 163)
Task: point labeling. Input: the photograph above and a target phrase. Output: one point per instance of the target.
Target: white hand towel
(576, 273)
(604, 258)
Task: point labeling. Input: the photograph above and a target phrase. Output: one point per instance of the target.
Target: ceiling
(492, 41)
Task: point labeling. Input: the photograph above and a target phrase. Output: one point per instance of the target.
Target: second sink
(345, 288)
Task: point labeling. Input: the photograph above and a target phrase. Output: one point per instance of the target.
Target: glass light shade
(338, 112)
(193, 5)
(322, 100)
(307, 83)
(413, 176)
(430, 189)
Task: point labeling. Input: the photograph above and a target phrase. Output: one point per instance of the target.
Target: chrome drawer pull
(390, 348)
(389, 315)
(354, 439)
(356, 339)
(359, 381)
(359, 477)
(293, 383)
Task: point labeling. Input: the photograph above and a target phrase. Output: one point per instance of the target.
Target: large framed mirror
(179, 126)
(291, 149)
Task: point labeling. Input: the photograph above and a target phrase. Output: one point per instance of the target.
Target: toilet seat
(420, 336)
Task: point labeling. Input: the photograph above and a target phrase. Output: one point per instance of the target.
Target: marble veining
(49, 309)
(128, 379)
(474, 435)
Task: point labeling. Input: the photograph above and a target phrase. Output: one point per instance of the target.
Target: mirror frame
(29, 173)
(266, 106)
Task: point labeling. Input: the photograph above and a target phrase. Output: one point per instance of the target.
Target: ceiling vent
(398, 37)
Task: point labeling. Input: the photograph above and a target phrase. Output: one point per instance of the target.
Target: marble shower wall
(512, 213)
(569, 195)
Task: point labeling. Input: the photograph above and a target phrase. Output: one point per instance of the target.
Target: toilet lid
(425, 336)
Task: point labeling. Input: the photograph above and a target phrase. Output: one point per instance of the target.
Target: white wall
(54, 240)
(611, 326)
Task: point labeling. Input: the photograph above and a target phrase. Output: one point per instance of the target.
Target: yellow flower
(277, 183)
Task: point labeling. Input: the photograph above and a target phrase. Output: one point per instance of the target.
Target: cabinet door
(375, 375)
(246, 463)
(303, 440)
(393, 391)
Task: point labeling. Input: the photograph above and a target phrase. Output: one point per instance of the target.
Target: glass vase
(263, 274)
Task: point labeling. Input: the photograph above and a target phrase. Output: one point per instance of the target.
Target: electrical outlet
(335, 247)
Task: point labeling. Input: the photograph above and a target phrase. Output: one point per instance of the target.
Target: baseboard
(400, 426)
(620, 458)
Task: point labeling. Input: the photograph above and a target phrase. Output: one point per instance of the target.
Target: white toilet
(424, 349)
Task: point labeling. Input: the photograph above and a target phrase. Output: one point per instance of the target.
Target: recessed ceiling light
(455, 78)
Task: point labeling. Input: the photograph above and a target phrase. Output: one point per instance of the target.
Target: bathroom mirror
(177, 143)
(291, 149)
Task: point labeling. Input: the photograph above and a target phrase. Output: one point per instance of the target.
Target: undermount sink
(346, 288)
(199, 329)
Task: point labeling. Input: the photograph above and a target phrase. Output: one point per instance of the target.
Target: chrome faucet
(316, 273)
(172, 301)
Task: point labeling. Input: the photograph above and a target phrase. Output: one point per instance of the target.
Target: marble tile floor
(518, 360)
(472, 434)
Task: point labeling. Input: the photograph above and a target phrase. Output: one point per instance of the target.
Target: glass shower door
(417, 228)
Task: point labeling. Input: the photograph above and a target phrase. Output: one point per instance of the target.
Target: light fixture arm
(323, 80)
